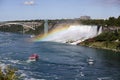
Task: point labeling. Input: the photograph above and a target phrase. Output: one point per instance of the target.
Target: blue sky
(57, 9)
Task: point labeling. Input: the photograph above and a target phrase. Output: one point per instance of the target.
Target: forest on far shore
(107, 23)
(111, 21)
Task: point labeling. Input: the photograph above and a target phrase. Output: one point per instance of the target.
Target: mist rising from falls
(46, 27)
(73, 34)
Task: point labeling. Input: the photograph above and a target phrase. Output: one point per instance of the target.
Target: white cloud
(29, 2)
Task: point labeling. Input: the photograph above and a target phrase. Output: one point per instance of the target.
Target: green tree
(8, 74)
(118, 21)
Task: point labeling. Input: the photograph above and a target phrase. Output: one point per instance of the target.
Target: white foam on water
(14, 61)
(24, 75)
(105, 78)
(33, 79)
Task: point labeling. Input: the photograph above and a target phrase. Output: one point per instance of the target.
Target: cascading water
(46, 27)
(100, 30)
(72, 34)
(75, 34)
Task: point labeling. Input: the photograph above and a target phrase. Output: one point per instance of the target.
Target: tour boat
(90, 61)
(33, 57)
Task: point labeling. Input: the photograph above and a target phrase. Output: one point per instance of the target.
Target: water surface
(57, 61)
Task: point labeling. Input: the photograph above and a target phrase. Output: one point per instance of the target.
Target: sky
(58, 9)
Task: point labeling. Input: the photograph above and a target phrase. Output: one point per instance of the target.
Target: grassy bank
(108, 40)
(102, 45)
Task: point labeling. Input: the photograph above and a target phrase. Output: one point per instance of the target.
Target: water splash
(71, 33)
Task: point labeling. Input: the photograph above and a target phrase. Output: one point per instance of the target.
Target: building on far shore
(85, 17)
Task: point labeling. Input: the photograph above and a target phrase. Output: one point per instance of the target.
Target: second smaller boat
(90, 60)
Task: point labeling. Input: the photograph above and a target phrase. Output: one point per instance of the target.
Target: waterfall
(89, 32)
(74, 34)
(100, 30)
(46, 27)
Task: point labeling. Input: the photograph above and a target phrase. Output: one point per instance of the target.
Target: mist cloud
(32, 2)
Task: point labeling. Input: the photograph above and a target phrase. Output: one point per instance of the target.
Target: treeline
(37, 20)
(106, 40)
(108, 36)
(112, 21)
(12, 28)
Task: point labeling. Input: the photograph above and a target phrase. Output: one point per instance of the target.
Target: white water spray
(76, 34)
(46, 27)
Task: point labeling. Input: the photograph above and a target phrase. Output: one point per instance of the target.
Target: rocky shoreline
(115, 50)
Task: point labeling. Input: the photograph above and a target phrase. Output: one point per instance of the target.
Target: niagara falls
(59, 39)
(71, 33)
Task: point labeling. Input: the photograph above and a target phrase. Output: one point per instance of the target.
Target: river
(57, 61)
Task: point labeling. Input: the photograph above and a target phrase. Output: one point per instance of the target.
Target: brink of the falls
(74, 34)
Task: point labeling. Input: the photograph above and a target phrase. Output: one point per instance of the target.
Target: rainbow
(69, 33)
(50, 34)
